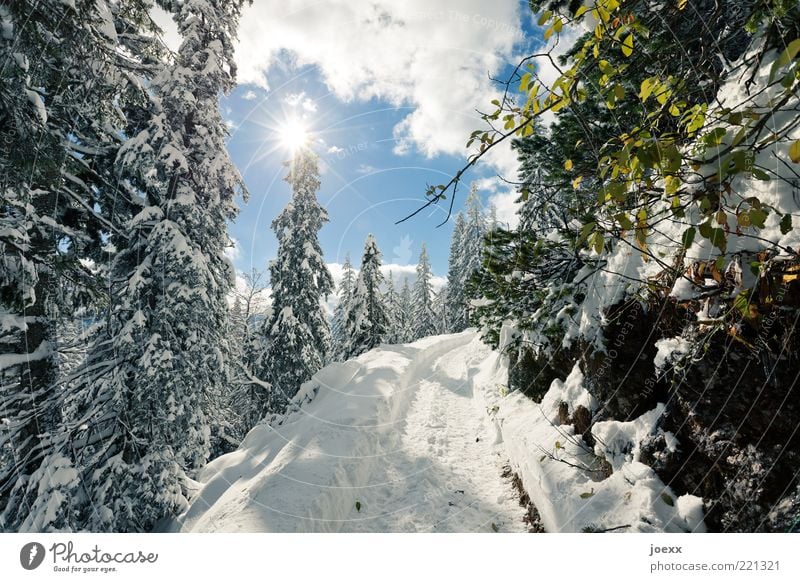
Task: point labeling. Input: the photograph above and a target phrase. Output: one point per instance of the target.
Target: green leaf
(624, 221)
(705, 229)
(760, 174)
(789, 53)
(688, 237)
(742, 303)
(743, 219)
(597, 242)
(545, 17)
(587, 495)
(647, 87)
(786, 223)
(523, 82)
(627, 46)
(585, 232)
(358, 506)
(665, 497)
(794, 151)
(758, 217)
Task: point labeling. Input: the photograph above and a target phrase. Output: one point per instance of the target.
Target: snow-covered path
(390, 442)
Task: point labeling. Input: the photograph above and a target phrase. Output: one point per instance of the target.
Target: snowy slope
(414, 438)
(392, 441)
(565, 478)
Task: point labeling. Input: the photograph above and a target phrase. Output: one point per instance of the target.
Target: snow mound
(568, 482)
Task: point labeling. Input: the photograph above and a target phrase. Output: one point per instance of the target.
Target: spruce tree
(392, 301)
(404, 331)
(455, 301)
(342, 310)
(297, 333)
(157, 368)
(368, 322)
(423, 314)
(473, 244)
(61, 202)
(440, 308)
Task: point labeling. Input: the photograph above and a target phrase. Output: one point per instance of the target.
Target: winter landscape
(399, 266)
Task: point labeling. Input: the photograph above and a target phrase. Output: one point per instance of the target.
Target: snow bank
(566, 480)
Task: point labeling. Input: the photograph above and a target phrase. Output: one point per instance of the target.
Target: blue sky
(389, 92)
(366, 187)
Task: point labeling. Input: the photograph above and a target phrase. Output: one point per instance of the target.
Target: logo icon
(31, 555)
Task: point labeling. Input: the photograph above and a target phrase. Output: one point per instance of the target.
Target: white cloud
(503, 197)
(170, 34)
(506, 208)
(300, 100)
(249, 96)
(366, 169)
(436, 60)
(309, 105)
(335, 149)
(234, 251)
(294, 99)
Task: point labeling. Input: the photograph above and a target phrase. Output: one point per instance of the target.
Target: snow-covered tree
(368, 322)
(440, 308)
(248, 312)
(157, 368)
(403, 315)
(423, 314)
(297, 334)
(473, 245)
(392, 301)
(456, 313)
(341, 311)
(59, 135)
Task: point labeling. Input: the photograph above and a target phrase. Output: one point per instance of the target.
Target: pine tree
(342, 310)
(404, 331)
(367, 323)
(440, 309)
(423, 314)
(61, 202)
(473, 243)
(392, 302)
(157, 368)
(455, 301)
(297, 334)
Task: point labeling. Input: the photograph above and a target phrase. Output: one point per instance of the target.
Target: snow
(564, 477)
(669, 350)
(36, 101)
(45, 350)
(393, 440)
(414, 437)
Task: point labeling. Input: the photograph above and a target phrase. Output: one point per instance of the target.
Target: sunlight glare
(293, 135)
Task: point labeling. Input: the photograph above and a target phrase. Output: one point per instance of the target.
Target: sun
(293, 135)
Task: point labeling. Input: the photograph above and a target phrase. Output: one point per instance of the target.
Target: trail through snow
(393, 441)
